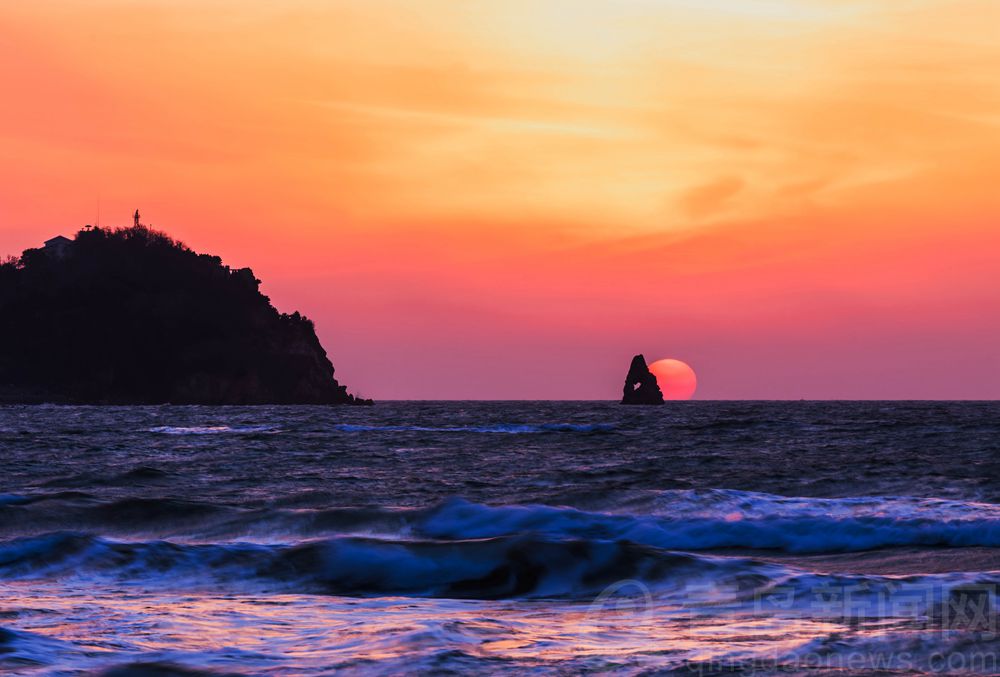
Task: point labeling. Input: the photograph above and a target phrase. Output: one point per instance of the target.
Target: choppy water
(501, 537)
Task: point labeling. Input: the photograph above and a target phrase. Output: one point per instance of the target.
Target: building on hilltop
(58, 246)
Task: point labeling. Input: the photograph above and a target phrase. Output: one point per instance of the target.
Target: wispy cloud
(512, 125)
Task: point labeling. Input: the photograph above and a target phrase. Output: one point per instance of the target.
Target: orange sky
(508, 199)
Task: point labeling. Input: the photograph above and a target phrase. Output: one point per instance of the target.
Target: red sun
(676, 379)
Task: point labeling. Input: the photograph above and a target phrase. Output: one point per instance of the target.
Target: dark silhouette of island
(130, 316)
(640, 384)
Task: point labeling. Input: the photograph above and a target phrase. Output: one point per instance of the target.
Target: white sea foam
(213, 430)
(724, 519)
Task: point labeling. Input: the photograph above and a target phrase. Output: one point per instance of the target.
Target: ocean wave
(20, 649)
(800, 527)
(523, 566)
(520, 567)
(908, 651)
(755, 504)
(507, 428)
(932, 652)
(24, 652)
(214, 430)
(161, 669)
(675, 520)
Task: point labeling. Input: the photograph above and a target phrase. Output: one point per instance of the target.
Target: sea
(468, 538)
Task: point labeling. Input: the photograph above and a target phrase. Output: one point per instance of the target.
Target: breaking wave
(686, 520)
(496, 568)
(671, 520)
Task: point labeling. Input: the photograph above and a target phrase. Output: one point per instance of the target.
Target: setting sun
(676, 379)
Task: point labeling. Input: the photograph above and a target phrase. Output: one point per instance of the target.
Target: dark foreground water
(694, 538)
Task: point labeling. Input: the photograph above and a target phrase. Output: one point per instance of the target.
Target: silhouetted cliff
(130, 316)
(640, 384)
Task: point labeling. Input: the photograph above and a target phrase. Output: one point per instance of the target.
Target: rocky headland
(130, 316)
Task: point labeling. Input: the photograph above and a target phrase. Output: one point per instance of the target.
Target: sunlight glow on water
(315, 632)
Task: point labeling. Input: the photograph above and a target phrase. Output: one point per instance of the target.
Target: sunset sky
(508, 199)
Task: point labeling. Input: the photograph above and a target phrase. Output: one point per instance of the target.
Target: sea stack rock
(640, 384)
